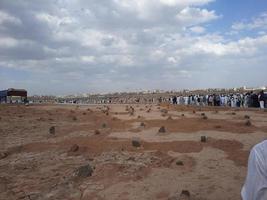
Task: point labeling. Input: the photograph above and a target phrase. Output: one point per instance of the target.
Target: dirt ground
(43, 149)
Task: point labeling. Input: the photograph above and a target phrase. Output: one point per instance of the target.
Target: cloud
(7, 42)
(198, 29)
(122, 44)
(7, 18)
(259, 22)
(193, 16)
(242, 48)
(172, 60)
(163, 11)
(88, 59)
(185, 2)
(54, 20)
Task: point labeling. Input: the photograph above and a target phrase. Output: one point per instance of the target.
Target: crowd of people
(250, 99)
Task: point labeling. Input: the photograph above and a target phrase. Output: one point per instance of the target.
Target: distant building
(253, 89)
(12, 95)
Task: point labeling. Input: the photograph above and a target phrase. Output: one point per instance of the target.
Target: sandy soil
(43, 147)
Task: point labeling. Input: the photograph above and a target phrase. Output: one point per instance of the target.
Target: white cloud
(54, 20)
(155, 11)
(5, 17)
(232, 32)
(65, 60)
(143, 9)
(10, 42)
(127, 43)
(88, 59)
(198, 29)
(238, 26)
(157, 54)
(174, 74)
(218, 49)
(172, 60)
(117, 60)
(185, 2)
(262, 33)
(243, 47)
(7, 42)
(192, 16)
(259, 22)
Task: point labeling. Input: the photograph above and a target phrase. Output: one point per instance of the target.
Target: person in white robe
(255, 187)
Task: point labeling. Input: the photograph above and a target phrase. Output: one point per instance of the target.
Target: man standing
(174, 100)
(255, 187)
(261, 99)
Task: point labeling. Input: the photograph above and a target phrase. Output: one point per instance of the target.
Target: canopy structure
(6, 95)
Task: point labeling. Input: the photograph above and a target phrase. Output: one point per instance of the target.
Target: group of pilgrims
(246, 100)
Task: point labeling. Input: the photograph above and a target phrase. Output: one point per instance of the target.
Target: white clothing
(232, 103)
(262, 104)
(255, 187)
(186, 99)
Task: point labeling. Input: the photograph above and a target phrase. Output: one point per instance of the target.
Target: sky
(61, 47)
